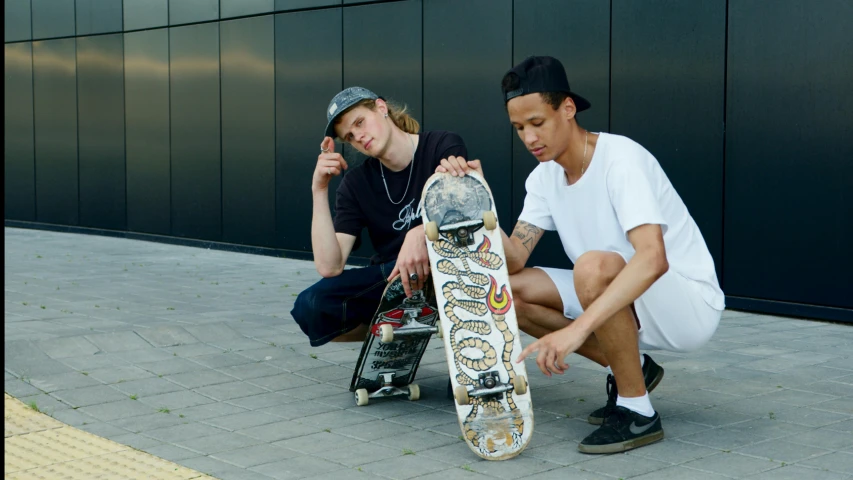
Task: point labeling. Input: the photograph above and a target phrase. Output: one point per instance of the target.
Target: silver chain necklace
(411, 169)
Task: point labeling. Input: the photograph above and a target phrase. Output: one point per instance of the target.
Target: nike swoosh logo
(638, 430)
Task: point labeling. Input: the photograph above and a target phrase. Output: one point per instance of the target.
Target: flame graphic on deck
(499, 302)
(485, 246)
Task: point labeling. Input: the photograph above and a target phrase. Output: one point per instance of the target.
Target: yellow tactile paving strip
(40, 447)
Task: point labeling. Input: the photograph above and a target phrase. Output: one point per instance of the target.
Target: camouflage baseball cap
(344, 100)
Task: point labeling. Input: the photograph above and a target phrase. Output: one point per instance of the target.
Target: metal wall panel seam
(33, 86)
(169, 84)
(610, 74)
(78, 36)
(124, 114)
(77, 106)
(274, 239)
(512, 213)
(722, 278)
(221, 172)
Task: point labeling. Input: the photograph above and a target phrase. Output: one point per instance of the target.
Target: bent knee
(598, 267)
(305, 307)
(522, 310)
(524, 284)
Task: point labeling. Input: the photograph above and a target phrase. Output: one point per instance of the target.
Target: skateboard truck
(412, 308)
(388, 389)
(462, 237)
(459, 229)
(490, 385)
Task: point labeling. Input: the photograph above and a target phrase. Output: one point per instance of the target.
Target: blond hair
(397, 113)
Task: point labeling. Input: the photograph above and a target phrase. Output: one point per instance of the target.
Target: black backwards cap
(543, 75)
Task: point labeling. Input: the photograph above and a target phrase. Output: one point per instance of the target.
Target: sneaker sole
(599, 420)
(622, 446)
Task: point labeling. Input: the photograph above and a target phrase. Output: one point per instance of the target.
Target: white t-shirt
(623, 188)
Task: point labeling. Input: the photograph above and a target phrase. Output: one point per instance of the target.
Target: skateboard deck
(395, 343)
(475, 305)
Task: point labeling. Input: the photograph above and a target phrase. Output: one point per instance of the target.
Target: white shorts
(672, 314)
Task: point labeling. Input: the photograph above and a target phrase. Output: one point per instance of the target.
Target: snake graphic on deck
(498, 302)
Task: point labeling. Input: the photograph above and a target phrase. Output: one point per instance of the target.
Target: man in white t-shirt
(643, 276)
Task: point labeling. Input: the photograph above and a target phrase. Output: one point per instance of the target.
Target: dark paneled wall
(284, 5)
(53, 18)
(55, 113)
(18, 23)
(98, 16)
(18, 139)
(189, 11)
(248, 130)
(202, 118)
(147, 127)
(236, 8)
(140, 14)
(195, 128)
(307, 76)
(100, 116)
(789, 152)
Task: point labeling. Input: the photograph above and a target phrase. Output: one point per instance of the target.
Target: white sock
(641, 405)
(642, 364)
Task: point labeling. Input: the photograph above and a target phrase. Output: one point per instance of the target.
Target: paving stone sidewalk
(191, 355)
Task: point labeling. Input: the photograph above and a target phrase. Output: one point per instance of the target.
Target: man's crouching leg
(539, 310)
(633, 422)
(338, 309)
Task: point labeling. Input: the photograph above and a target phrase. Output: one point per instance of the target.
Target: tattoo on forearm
(528, 234)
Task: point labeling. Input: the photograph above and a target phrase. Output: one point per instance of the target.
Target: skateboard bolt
(463, 232)
(489, 382)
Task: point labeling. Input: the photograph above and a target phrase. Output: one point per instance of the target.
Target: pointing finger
(533, 347)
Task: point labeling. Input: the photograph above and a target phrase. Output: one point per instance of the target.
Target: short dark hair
(511, 82)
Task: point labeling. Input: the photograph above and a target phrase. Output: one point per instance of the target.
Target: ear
(381, 106)
(569, 108)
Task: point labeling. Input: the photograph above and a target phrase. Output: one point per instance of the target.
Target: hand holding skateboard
(458, 166)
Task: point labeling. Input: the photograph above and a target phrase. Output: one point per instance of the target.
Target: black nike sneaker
(621, 431)
(652, 374)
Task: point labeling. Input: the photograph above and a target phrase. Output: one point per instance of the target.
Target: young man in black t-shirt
(382, 195)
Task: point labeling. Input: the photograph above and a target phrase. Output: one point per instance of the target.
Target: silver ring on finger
(329, 170)
(413, 277)
(324, 150)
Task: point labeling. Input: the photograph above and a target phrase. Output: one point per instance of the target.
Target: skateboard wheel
(489, 220)
(440, 332)
(519, 384)
(386, 333)
(432, 231)
(414, 392)
(460, 393)
(361, 397)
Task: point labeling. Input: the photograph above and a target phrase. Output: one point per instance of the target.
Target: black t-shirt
(362, 201)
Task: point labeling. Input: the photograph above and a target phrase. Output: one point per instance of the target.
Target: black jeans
(334, 306)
